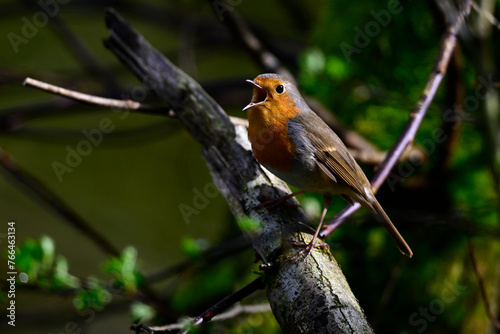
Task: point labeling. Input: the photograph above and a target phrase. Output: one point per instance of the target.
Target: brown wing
(332, 155)
(335, 160)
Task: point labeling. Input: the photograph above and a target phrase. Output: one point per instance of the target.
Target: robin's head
(274, 95)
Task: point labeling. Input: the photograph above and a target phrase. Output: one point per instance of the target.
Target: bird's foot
(308, 247)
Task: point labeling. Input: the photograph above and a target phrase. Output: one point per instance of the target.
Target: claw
(307, 248)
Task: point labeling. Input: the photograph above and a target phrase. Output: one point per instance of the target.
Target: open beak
(259, 95)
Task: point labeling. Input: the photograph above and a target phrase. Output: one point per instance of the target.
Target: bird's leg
(312, 244)
(272, 203)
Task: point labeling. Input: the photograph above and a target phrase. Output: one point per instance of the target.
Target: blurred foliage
(194, 248)
(373, 90)
(366, 62)
(37, 258)
(95, 295)
(123, 270)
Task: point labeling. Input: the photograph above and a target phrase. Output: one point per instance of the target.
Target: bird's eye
(280, 89)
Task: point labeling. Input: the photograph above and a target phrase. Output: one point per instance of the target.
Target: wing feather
(333, 158)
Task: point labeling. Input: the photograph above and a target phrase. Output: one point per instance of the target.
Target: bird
(295, 144)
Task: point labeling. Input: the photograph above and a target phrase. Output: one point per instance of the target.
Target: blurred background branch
(366, 63)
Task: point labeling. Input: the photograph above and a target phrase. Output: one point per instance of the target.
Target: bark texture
(306, 296)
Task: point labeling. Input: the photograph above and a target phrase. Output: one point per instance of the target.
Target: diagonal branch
(416, 117)
(309, 296)
(235, 297)
(43, 195)
(480, 281)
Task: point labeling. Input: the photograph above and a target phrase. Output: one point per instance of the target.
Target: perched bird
(296, 145)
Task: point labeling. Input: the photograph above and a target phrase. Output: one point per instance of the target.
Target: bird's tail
(391, 229)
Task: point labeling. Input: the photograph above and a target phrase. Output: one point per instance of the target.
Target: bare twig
(452, 112)
(129, 105)
(81, 53)
(416, 117)
(235, 297)
(480, 282)
(231, 313)
(487, 15)
(92, 99)
(41, 194)
(237, 25)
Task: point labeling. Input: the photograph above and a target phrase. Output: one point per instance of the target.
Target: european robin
(296, 145)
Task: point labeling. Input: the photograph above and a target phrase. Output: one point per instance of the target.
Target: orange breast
(270, 142)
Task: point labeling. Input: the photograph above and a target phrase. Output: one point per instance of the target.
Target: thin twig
(35, 189)
(233, 298)
(81, 53)
(129, 105)
(454, 100)
(231, 313)
(480, 281)
(237, 25)
(416, 117)
(90, 99)
(215, 312)
(487, 15)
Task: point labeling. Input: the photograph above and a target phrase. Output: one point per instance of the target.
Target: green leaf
(336, 68)
(95, 296)
(48, 249)
(61, 277)
(142, 312)
(123, 270)
(194, 247)
(28, 257)
(36, 259)
(313, 61)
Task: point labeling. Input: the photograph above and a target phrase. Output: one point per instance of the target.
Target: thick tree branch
(306, 296)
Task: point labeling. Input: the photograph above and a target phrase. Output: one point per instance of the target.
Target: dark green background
(131, 185)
